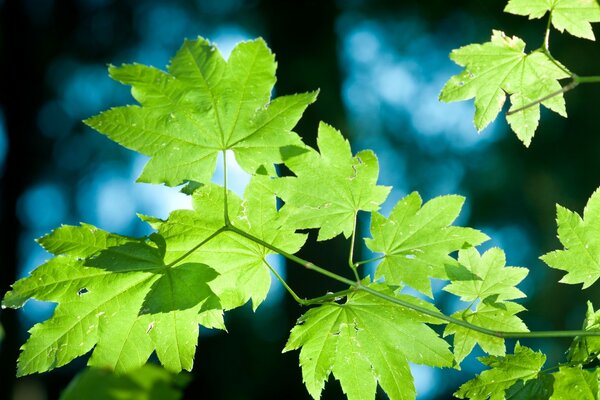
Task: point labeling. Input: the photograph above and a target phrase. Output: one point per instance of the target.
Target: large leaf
(501, 67)
(574, 16)
(331, 186)
(416, 241)
(117, 296)
(202, 106)
(581, 239)
(366, 341)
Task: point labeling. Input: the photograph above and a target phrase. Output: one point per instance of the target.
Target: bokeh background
(380, 66)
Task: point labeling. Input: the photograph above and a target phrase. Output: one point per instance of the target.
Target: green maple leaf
(489, 276)
(117, 296)
(241, 263)
(416, 241)
(202, 106)
(581, 239)
(366, 341)
(523, 365)
(575, 383)
(494, 316)
(330, 186)
(500, 67)
(574, 16)
(585, 349)
(145, 383)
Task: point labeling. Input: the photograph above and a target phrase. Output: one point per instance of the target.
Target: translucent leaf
(581, 239)
(123, 301)
(504, 372)
(416, 241)
(202, 106)
(501, 67)
(574, 16)
(330, 186)
(366, 341)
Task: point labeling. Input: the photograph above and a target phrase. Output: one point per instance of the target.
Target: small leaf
(581, 239)
(574, 16)
(501, 67)
(585, 348)
(330, 186)
(491, 277)
(416, 241)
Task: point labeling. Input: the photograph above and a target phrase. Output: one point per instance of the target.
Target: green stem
(572, 85)
(359, 263)
(296, 259)
(284, 283)
(351, 256)
(546, 44)
(328, 297)
(587, 79)
(355, 286)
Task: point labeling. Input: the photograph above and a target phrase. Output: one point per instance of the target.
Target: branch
(359, 286)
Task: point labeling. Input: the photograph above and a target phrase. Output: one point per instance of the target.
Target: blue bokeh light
(3, 142)
(42, 206)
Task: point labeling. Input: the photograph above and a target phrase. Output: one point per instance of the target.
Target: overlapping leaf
(500, 67)
(586, 349)
(241, 263)
(486, 276)
(485, 279)
(416, 241)
(330, 186)
(581, 239)
(522, 366)
(146, 383)
(497, 317)
(204, 105)
(117, 296)
(366, 341)
(574, 16)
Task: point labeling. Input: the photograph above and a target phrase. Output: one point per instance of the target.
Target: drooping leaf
(241, 263)
(148, 382)
(504, 372)
(585, 348)
(122, 301)
(495, 316)
(416, 241)
(575, 383)
(330, 186)
(366, 341)
(574, 16)
(581, 239)
(202, 106)
(490, 277)
(501, 67)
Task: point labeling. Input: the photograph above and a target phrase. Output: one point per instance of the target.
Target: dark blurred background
(380, 66)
